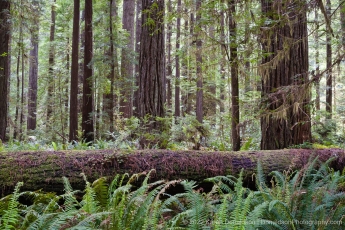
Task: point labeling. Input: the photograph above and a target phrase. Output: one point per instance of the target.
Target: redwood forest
(172, 114)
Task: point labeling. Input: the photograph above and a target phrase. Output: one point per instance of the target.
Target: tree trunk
(33, 70)
(342, 22)
(187, 97)
(223, 60)
(16, 118)
(127, 65)
(284, 70)
(73, 114)
(4, 65)
(87, 117)
(317, 62)
(169, 61)
(235, 107)
(329, 78)
(152, 80)
(44, 170)
(51, 77)
(137, 51)
(109, 97)
(177, 61)
(199, 83)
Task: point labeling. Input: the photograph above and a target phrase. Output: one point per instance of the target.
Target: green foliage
(11, 217)
(304, 145)
(311, 198)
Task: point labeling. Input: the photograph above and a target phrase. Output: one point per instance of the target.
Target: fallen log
(45, 169)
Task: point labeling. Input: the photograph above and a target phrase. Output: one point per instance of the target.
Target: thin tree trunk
(235, 110)
(109, 97)
(51, 77)
(87, 116)
(21, 121)
(329, 81)
(223, 60)
(5, 29)
(177, 61)
(73, 114)
(187, 101)
(137, 51)
(210, 105)
(81, 57)
(342, 22)
(199, 84)
(317, 62)
(169, 61)
(16, 118)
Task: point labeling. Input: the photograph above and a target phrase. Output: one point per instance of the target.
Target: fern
(260, 178)
(11, 215)
(71, 203)
(222, 213)
(101, 189)
(89, 203)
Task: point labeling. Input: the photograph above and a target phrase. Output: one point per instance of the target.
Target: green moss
(320, 146)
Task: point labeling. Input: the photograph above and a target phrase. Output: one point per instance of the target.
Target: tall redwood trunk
(127, 65)
(286, 120)
(87, 117)
(151, 96)
(33, 70)
(4, 65)
(73, 114)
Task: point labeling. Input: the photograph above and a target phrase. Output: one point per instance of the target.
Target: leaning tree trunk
(44, 170)
(286, 120)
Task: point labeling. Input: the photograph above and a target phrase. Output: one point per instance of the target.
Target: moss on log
(44, 170)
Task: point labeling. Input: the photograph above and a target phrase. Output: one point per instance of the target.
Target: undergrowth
(311, 198)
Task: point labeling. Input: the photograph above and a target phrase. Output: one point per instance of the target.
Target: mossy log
(45, 169)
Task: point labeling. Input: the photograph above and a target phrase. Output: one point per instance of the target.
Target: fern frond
(89, 203)
(71, 202)
(221, 215)
(101, 188)
(11, 214)
(282, 210)
(260, 178)
(141, 214)
(223, 182)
